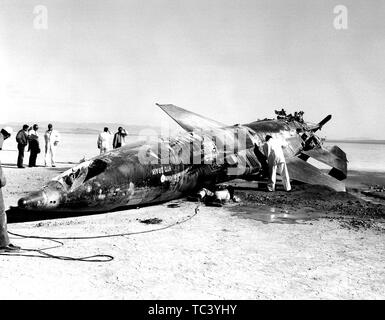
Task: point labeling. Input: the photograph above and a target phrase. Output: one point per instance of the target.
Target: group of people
(29, 136)
(104, 139)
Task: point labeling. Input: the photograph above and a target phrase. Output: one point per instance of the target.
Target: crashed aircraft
(208, 153)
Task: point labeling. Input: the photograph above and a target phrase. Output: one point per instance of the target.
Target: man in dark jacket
(119, 138)
(34, 147)
(5, 245)
(22, 141)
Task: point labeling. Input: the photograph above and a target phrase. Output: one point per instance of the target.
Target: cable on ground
(93, 258)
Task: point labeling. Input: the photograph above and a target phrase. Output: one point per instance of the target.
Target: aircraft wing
(333, 157)
(305, 172)
(188, 120)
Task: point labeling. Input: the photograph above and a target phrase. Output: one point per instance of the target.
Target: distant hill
(86, 128)
(358, 139)
(354, 140)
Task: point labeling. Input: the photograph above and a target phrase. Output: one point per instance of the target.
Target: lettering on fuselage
(174, 178)
(161, 170)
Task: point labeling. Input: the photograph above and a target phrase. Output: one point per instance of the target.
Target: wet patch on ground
(305, 203)
(267, 214)
(319, 198)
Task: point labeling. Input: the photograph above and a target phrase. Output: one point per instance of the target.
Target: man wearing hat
(5, 245)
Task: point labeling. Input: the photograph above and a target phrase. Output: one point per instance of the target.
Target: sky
(231, 60)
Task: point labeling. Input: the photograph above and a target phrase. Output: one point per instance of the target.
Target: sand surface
(308, 244)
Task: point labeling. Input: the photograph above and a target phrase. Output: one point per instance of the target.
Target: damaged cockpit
(83, 172)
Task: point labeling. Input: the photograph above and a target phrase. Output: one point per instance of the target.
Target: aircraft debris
(207, 154)
(151, 221)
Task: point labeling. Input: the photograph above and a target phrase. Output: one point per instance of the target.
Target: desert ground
(311, 243)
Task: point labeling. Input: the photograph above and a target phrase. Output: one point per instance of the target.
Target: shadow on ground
(16, 215)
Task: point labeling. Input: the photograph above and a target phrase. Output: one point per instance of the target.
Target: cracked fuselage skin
(156, 171)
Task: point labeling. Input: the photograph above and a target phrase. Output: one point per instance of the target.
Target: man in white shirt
(52, 139)
(104, 140)
(276, 162)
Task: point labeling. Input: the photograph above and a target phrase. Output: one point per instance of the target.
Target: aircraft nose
(48, 198)
(34, 200)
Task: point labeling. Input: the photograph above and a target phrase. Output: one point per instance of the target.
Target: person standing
(119, 138)
(34, 147)
(276, 162)
(5, 245)
(22, 141)
(104, 140)
(52, 139)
